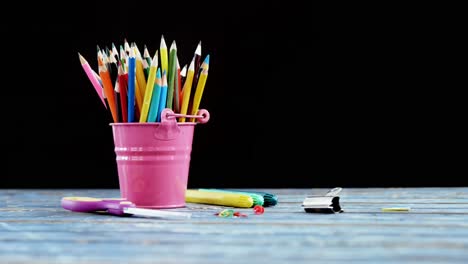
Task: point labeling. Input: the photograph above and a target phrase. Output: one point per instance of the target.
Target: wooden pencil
(200, 86)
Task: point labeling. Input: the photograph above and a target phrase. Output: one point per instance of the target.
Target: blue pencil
(162, 102)
(131, 86)
(154, 106)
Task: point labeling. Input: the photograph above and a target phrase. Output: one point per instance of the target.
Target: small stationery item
(120, 207)
(328, 203)
(225, 199)
(258, 209)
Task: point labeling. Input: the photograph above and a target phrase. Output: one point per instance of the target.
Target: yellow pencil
(149, 89)
(200, 87)
(138, 95)
(187, 89)
(140, 73)
(164, 58)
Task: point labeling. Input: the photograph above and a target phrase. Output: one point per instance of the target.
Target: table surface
(35, 229)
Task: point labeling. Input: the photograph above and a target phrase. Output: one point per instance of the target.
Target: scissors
(116, 206)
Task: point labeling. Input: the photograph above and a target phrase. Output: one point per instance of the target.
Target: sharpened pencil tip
(146, 53)
(163, 43)
(183, 72)
(207, 59)
(98, 49)
(198, 50)
(82, 59)
(154, 62)
(158, 73)
(173, 46)
(192, 65)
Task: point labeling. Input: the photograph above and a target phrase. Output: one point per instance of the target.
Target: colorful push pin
(258, 209)
(239, 214)
(226, 213)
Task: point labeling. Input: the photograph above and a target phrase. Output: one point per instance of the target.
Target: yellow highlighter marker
(224, 199)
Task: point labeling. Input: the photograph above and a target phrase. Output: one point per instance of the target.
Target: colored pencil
(171, 75)
(156, 98)
(131, 86)
(123, 81)
(182, 75)
(92, 77)
(149, 89)
(196, 71)
(138, 94)
(200, 86)
(127, 47)
(123, 58)
(163, 55)
(187, 90)
(107, 104)
(178, 88)
(147, 61)
(117, 100)
(163, 99)
(115, 52)
(108, 88)
(140, 75)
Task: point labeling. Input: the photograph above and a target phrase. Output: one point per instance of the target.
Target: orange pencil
(108, 88)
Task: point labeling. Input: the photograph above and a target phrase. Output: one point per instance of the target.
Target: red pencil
(123, 80)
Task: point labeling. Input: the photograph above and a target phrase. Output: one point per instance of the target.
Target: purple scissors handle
(88, 204)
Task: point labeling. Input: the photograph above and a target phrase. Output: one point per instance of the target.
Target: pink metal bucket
(153, 159)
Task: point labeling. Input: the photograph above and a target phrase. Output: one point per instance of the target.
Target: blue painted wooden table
(35, 229)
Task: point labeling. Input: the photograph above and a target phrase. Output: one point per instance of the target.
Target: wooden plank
(33, 228)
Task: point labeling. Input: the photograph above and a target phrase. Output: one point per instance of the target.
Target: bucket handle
(202, 115)
(168, 130)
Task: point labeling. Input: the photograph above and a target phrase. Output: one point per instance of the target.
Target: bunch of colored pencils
(137, 88)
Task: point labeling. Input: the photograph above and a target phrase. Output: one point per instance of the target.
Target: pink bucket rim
(151, 124)
(167, 114)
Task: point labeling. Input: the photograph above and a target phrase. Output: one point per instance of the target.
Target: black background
(298, 97)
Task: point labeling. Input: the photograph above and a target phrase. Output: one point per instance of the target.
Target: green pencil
(171, 76)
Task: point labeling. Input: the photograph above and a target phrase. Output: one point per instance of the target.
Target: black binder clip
(325, 204)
